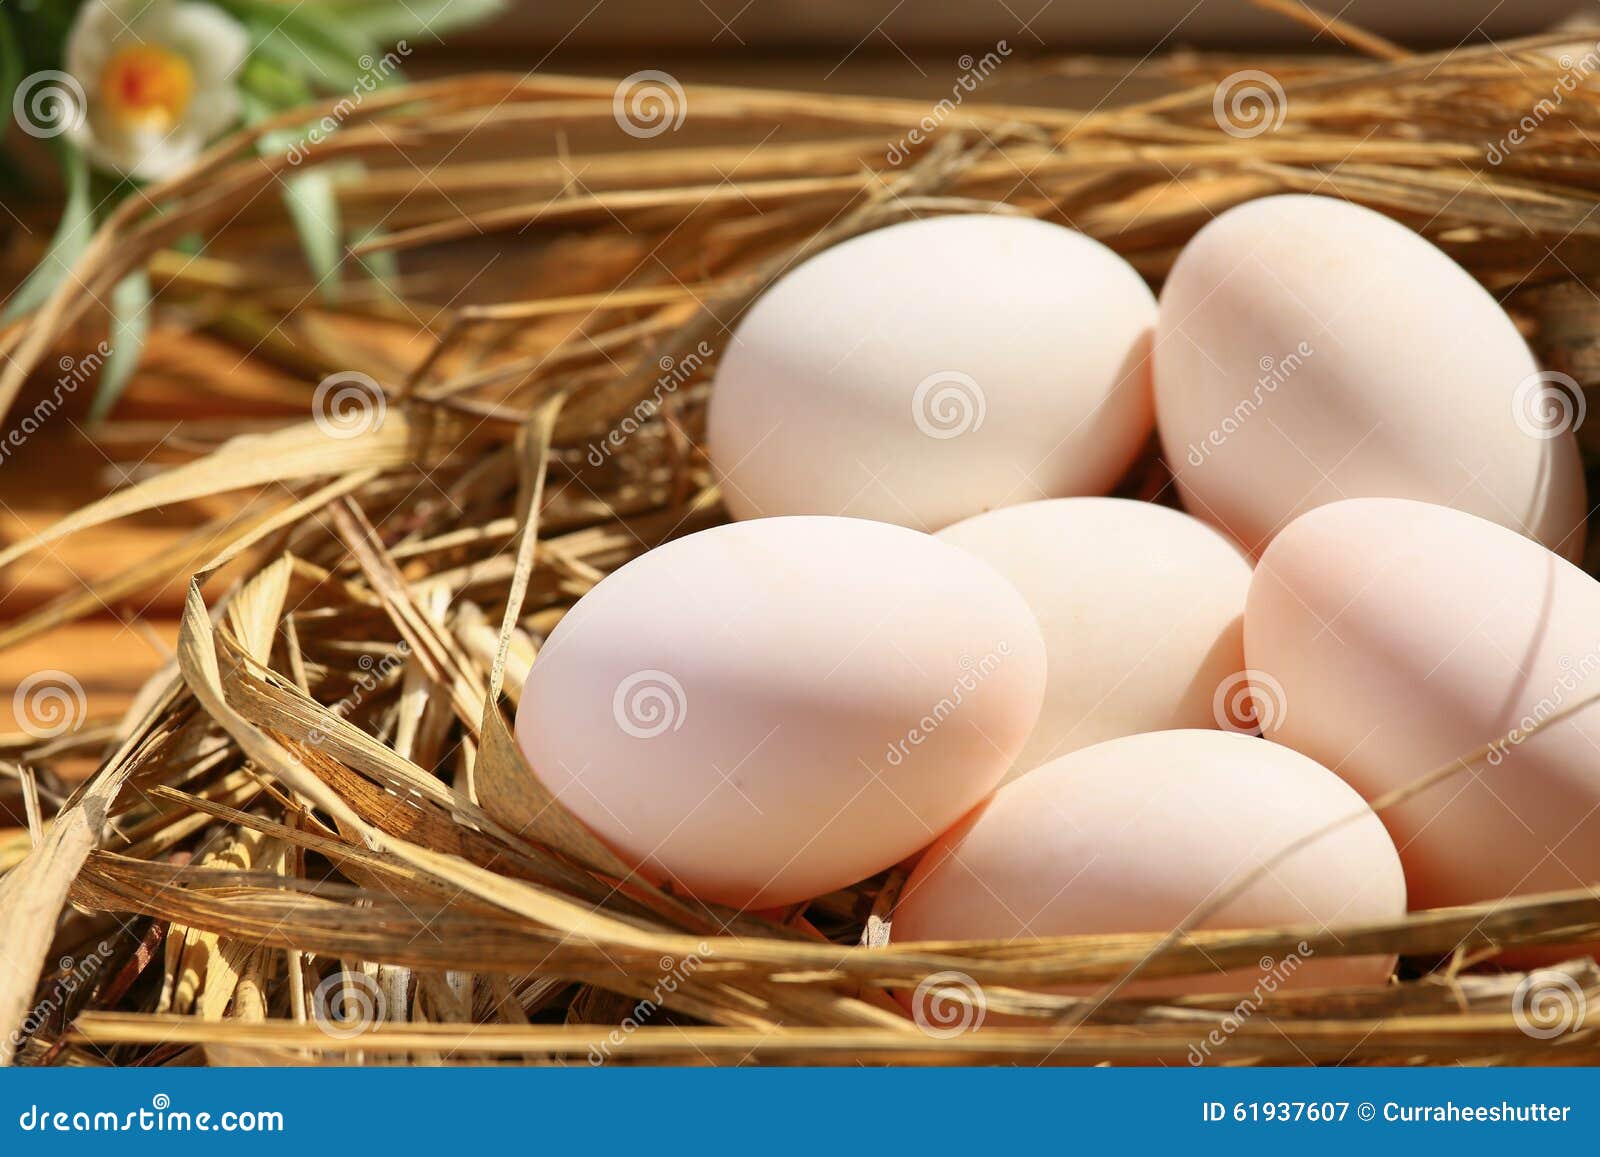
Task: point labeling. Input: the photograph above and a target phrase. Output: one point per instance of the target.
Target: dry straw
(319, 806)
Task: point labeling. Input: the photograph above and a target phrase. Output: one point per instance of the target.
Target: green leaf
(130, 326)
(324, 51)
(313, 206)
(11, 69)
(66, 246)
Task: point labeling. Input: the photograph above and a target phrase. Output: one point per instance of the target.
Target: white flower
(158, 79)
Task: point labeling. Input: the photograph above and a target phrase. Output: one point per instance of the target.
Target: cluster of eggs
(929, 631)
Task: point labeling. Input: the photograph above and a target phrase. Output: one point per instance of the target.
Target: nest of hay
(313, 840)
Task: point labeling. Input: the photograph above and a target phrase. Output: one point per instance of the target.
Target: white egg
(1149, 832)
(931, 370)
(1142, 609)
(1311, 350)
(769, 710)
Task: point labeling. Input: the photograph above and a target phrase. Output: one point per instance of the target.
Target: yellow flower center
(147, 85)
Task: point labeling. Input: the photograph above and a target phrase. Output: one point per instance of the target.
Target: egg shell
(1396, 637)
(1142, 609)
(934, 369)
(1137, 834)
(1311, 350)
(770, 710)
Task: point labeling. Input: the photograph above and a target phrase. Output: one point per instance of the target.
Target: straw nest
(313, 840)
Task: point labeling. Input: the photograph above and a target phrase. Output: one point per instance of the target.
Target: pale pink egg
(1141, 833)
(1142, 609)
(1391, 638)
(933, 369)
(770, 710)
(1311, 350)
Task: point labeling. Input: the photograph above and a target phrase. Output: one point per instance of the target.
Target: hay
(319, 805)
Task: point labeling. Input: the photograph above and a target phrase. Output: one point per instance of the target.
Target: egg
(769, 710)
(1310, 350)
(1396, 637)
(1138, 834)
(1142, 609)
(934, 369)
